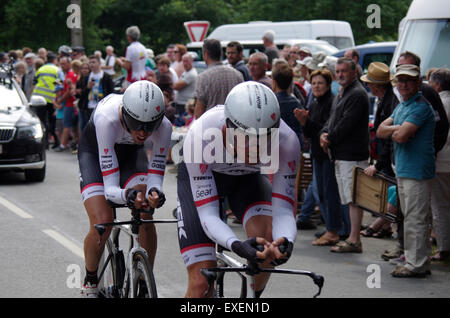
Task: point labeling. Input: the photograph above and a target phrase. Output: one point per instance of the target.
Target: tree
(44, 24)
(354, 12)
(160, 22)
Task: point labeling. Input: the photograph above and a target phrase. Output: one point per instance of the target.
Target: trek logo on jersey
(106, 150)
(161, 150)
(203, 168)
(292, 165)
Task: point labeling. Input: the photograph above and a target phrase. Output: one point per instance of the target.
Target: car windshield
(338, 41)
(429, 39)
(9, 97)
(319, 47)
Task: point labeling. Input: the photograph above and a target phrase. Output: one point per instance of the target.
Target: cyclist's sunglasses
(136, 125)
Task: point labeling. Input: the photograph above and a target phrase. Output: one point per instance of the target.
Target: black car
(22, 146)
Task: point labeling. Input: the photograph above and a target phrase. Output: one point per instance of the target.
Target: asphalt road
(43, 226)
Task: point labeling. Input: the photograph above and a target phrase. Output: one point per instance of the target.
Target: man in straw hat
(378, 79)
(411, 127)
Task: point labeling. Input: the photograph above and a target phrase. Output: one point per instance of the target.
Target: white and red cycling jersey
(110, 132)
(198, 151)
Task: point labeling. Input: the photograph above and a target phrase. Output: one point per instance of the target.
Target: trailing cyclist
(225, 156)
(114, 166)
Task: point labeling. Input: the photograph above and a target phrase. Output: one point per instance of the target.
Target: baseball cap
(407, 69)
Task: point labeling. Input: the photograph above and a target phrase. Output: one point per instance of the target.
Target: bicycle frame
(131, 228)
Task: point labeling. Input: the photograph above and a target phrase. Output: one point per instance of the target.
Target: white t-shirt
(96, 93)
(110, 61)
(187, 93)
(136, 54)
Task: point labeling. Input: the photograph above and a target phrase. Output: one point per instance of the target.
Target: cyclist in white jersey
(114, 165)
(207, 174)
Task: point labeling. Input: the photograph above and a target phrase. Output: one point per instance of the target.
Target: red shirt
(70, 77)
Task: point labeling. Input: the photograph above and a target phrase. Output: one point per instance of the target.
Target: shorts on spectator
(344, 174)
(59, 125)
(69, 120)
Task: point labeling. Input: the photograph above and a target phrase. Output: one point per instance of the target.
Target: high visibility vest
(45, 86)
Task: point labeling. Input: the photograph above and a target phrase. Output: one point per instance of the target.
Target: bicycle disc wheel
(144, 285)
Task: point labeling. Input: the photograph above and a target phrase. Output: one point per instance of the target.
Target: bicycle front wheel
(144, 285)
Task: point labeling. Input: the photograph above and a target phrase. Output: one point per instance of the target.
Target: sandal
(347, 247)
(383, 233)
(323, 241)
(440, 256)
(368, 232)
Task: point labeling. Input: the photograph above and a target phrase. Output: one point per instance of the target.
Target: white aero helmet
(252, 106)
(143, 106)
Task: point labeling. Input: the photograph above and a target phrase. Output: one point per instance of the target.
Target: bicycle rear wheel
(144, 285)
(111, 275)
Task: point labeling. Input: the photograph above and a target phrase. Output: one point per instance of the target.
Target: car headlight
(34, 132)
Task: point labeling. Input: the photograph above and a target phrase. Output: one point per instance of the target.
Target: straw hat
(378, 73)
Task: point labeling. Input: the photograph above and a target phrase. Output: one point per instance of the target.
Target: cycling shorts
(132, 164)
(248, 195)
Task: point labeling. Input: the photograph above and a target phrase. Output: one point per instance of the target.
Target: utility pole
(74, 22)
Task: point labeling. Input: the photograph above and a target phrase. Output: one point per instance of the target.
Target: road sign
(197, 30)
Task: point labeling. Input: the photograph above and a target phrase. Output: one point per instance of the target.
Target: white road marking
(15, 209)
(71, 246)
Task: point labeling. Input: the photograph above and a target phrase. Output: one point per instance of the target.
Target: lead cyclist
(236, 172)
(114, 166)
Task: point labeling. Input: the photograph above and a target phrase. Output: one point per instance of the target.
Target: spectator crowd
(323, 99)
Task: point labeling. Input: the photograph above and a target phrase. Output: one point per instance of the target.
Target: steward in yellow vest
(45, 82)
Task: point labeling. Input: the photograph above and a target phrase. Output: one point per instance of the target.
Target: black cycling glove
(161, 195)
(131, 195)
(285, 247)
(246, 249)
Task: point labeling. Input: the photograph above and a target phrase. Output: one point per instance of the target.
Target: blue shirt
(415, 159)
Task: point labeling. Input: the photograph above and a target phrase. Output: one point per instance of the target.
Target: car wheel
(35, 175)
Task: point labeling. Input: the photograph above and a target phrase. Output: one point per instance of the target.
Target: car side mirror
(37, 101)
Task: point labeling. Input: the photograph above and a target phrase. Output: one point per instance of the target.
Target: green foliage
(37, 23)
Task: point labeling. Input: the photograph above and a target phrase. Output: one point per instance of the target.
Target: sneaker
(60, 148)
(89, 290)
(398, 261)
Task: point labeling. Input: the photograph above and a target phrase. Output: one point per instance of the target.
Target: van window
(429, 39)
(376, 57)
(338, 41)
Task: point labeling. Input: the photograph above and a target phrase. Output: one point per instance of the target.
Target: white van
(425, 31)
(337, 33)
